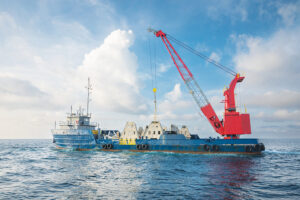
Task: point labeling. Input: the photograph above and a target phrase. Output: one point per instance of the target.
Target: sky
(49, 48)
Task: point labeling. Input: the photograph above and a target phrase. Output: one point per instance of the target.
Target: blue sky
(49, 48)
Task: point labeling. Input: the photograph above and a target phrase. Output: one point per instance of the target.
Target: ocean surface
(35, 169)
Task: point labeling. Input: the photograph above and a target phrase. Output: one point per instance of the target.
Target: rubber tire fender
(262, 147)
(139, 147)
(247, 148)
(206, 147)
(215, 147)
(251, 149)
(104, 146)
(109, 146)
(257, 147)
(144, 146)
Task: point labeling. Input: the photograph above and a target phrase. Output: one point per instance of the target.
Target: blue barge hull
(197, 146)
(167, 143)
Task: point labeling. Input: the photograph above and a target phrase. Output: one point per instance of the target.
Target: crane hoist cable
(224, 68)
(150, 61)
(153, 75)
(153, 63)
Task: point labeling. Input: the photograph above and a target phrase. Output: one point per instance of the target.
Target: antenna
(89, 88)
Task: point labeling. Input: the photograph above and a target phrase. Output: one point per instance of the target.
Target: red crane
(234, 123)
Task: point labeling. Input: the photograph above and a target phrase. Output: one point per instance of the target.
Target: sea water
(35, 169)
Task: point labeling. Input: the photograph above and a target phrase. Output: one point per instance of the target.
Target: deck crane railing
(234, 123)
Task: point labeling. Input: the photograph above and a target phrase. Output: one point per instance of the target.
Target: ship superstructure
(77, 132)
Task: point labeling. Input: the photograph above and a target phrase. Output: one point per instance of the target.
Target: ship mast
(89, 88)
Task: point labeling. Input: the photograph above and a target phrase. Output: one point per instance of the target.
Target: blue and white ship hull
(79, 142)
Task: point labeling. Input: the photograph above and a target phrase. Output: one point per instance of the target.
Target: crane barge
(156, 138)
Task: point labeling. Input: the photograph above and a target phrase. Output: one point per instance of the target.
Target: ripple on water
(34, 169)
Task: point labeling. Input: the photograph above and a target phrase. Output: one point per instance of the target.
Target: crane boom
(235, 123)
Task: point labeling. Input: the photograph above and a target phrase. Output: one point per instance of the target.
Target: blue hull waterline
(166, 143)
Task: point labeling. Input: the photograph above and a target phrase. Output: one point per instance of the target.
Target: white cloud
(271, 88)
(280, 99)
(19, 94)
(289, 12)
(214, 56)
(271, 63)
(163, 68)
(39, 81)
(280, 116)
(285, 114)
(176, 106)
(201, 47)
(7, 24)
(9, 85)
(113, 70)
(235, 11)
(175, 94)
(78, 31)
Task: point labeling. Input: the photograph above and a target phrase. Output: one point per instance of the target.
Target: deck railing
(76, 124)
(71, 131)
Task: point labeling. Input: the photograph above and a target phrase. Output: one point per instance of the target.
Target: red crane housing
(234, 123)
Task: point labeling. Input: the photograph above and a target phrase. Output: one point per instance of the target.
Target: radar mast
(89, 88)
